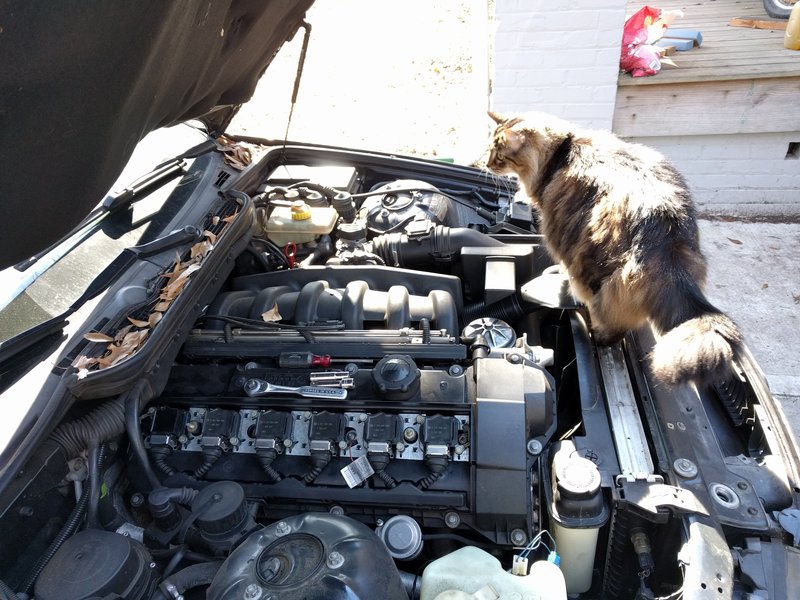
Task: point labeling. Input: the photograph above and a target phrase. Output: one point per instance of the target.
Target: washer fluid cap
(578, 477)
(495, 333)
(300, 211)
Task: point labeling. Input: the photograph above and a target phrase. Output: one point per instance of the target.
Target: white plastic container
(468, 570)
(283, 227)
(576, 514)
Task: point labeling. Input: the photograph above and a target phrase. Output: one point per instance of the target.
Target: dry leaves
(128, 339)
(236, 154)
(272, 315)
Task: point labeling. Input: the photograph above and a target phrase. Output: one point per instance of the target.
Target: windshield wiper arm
(99, 284)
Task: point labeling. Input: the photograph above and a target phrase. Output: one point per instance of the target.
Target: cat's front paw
(607, 338)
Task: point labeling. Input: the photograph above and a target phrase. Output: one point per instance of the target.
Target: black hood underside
(82, 82)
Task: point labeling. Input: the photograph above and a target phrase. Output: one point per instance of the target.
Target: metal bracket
(654, 497)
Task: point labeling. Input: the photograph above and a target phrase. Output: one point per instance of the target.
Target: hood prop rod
(295, 91)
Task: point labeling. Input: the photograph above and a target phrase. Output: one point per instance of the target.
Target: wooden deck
(727, 52)
(739, 81)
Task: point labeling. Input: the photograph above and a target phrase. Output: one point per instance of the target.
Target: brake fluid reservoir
(299, 223)
(464, 572)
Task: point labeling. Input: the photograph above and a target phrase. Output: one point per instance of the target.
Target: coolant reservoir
(471, 573)
(299, 223)
(577, 511)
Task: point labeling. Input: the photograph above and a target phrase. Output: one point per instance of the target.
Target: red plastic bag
(646, 26)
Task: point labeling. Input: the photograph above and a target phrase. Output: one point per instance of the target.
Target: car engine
(382, 388)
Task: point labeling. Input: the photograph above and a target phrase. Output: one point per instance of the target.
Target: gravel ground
(402, 77)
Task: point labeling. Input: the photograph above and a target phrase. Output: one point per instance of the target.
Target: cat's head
(520, 144)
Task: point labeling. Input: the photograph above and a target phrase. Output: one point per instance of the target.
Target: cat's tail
(698, 339)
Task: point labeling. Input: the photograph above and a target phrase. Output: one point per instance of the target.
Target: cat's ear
(514, 140)
(497, 117)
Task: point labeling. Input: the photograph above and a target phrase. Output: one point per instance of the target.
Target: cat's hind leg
(614, 310)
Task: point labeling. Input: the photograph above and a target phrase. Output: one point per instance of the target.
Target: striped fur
(622, 221)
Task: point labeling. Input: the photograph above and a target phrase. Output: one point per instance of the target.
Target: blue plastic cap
(554, 558)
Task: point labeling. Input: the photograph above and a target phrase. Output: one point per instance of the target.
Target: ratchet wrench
(259, 387)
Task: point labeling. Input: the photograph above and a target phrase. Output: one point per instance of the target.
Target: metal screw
(400, 447)
(518, 537)
(685, 468)
(137, 500)
(514, 359)
(282, 528)
(288, 443)
(455, 370)
(452, 519)
(335, 560)
(193, 427)
(25, 511)
(534, 447)
(307, 415)
(410, 435)
(460, 449)
(342, 445)
(362, 417)
(379, 522)
(252, 592)
(420, 419)
(351, 368)
(336, 510)
(182, 439)
(234, 441)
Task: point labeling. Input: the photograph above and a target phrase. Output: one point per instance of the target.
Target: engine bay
(391, 393)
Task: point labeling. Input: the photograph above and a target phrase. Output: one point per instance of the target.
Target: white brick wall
(738, 174)
(558, 56)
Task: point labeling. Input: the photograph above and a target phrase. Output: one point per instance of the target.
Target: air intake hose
(420, 247)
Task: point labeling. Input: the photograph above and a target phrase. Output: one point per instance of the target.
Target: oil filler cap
(396, 376)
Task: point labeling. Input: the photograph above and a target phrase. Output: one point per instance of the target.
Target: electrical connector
(519, 565)
(554, 558)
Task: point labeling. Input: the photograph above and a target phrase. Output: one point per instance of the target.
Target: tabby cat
(621, 220)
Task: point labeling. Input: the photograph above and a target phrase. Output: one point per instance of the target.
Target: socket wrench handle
(258, 387)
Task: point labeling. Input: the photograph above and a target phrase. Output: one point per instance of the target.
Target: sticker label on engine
(357, 471)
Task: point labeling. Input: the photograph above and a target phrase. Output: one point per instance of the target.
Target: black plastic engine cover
(515, 403)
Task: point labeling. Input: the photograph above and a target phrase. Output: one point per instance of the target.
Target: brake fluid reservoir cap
(578, 477)
(300, 211)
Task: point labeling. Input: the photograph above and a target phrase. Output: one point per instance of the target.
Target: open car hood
(82, 83)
